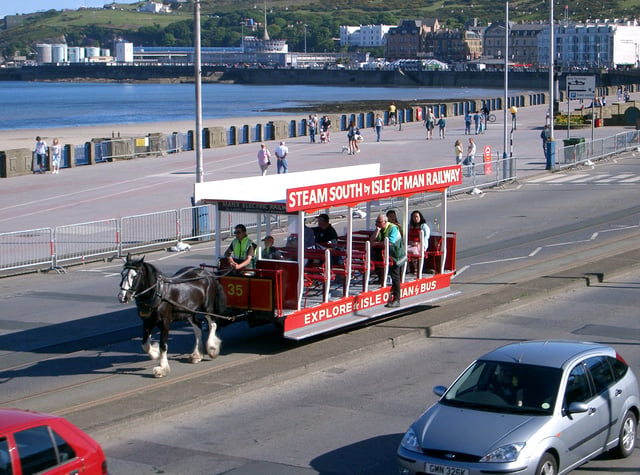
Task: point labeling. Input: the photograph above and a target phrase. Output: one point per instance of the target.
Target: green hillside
(221, 21)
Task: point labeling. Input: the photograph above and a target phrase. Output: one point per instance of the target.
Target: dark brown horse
(160, 299)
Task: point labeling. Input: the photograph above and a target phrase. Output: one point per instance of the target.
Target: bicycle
(491, 117)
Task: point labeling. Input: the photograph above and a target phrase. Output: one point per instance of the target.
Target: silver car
(537, 407)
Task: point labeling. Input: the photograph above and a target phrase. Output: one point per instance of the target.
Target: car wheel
(547, 465)
(627, 436)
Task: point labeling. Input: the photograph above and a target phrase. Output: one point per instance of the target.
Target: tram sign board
(352, 192)
(581, 87)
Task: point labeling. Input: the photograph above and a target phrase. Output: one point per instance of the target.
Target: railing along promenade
(53, 248)
(18, 162)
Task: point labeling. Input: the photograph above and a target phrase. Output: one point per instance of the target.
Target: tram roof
(272, 189)
(318, 189)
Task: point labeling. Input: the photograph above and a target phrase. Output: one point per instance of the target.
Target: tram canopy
(318, 189)
(269, 193)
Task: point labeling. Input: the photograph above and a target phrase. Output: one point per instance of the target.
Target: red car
(32, 442)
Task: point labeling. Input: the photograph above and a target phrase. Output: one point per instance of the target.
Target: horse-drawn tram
(310, 287)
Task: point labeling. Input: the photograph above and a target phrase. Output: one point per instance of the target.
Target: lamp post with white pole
(198, 82)
(506, 170)
(305, 37)
(550, 144)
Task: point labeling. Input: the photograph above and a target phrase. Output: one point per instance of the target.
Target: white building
(364, 35)
(124, 52)
(154, 7)
(602, 44)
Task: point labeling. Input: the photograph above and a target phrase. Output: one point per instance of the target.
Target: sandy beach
(26, 138)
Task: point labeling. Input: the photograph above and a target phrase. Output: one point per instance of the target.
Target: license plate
(444, 470)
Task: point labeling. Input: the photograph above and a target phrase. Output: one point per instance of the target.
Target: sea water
(37, 105)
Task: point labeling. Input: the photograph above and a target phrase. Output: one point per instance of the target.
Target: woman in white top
(56, 154)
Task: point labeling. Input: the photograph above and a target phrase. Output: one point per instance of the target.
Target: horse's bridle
(134, 283)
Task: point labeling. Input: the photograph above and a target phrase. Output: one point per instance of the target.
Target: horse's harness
(147, 305)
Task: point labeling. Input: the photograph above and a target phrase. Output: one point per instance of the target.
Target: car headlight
(507, 453)
(410, 441)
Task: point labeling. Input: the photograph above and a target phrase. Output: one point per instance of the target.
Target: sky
(12, 7)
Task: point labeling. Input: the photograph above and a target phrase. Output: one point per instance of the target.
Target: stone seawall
(522, 80)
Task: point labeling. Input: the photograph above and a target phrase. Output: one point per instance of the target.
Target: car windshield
(506, 387)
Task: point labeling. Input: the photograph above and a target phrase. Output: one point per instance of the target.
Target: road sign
(581, 87)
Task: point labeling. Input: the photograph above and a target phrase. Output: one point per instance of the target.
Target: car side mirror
(439, 390)
(577, 407)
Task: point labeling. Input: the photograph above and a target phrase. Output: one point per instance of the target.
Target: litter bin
(598, 123)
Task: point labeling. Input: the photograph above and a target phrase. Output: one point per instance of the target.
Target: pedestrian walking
(514, 111)
(379, 125)
(430, 123)
(312, 125)
(476, 122)
(471, 156)
(442, 124)
(281, 152)
(40, 155)
(264, 159)
(467, 123)
(351, 137)
(56, 154)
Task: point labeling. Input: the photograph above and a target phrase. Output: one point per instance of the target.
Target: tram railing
(48, 248)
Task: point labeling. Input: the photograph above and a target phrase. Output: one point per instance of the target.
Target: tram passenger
(269, 251)
(397, 255)
(325, 234)
(393, 219)
(417, 226)
(241, 251)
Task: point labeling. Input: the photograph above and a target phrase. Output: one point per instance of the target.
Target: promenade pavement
(145, 185)
(152, 184)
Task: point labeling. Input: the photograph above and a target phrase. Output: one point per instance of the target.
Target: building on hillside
(154, 7)
(11, 21)
(406, 41)
(600, 44)
(371, 36)
(451, 46)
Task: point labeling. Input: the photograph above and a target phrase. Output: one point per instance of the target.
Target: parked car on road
(532, 408)
(35, 443)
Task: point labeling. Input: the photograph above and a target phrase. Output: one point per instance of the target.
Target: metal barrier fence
(84, 241)
(581, 152)
(26, 249)
(151, 230)
(47, 248)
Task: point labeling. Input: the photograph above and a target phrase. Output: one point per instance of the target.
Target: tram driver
(241, 251)
(324, 233)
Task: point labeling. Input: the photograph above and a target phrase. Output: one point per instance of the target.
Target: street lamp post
(551, 151)
(242, 33)
(506, 86)
(305, 37)
(198, 82)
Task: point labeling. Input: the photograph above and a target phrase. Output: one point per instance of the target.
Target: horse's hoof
(159, 372)
(213, 352)
(195, 358)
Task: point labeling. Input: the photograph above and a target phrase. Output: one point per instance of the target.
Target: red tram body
(312, 291)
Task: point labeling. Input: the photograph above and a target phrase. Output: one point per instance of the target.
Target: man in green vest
(397, 254)
(241, 251)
